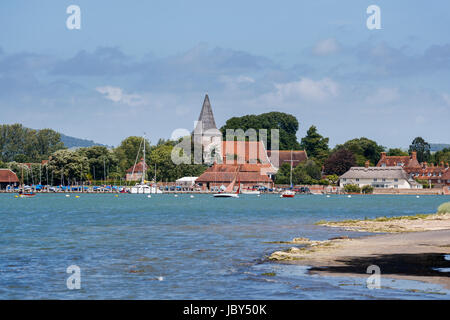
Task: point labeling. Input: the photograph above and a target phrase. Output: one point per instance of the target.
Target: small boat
(228, 192)
(27, 194)
(287, 194)
(247, 191)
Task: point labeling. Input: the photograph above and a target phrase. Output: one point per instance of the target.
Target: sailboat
(142, 187)
(228, 192)
(289, 193)
(24, 193)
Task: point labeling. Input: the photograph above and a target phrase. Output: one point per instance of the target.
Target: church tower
(206, 118)
(206, 133)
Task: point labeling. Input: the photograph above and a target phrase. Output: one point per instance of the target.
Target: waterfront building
(186, 182)
(135, 173)
(434, 175)
(7, 178)
(285, 156)
(379, 177)
(249, 161)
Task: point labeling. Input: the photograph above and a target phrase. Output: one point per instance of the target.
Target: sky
(145, 66)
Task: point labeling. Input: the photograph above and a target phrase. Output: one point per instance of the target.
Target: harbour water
(166, 247)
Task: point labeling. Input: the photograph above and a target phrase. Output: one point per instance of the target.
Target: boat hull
(225, 195)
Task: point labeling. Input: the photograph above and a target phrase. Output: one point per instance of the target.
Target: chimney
(367, 164)
(383, 155)
(425, 165)
(442, 164)
(414, 155)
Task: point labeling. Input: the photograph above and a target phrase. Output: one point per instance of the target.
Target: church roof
(206, 117)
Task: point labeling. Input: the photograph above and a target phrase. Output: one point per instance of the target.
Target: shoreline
(403, 253)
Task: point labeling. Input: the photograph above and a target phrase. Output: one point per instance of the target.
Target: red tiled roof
(227, 172)
(139, 167)
(7, 176)
(393, 161)
(284, 156)
(244, 152)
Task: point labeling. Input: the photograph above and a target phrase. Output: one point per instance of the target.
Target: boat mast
(291, 169)
(143, 164)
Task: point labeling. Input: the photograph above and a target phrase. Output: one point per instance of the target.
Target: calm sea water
(133, 247)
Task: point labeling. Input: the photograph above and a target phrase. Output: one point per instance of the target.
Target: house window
(396, 186)
(396, 180)
(383, 180)
(357, 179)
(375, 180)
(344, 179)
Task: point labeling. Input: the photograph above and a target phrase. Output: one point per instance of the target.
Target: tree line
(19, 145)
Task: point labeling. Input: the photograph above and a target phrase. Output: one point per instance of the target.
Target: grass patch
(379, 219)
(444, 208)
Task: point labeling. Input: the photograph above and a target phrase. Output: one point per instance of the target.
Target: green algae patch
(444, 208)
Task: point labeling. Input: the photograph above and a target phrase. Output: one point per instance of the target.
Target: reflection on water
(134, 247)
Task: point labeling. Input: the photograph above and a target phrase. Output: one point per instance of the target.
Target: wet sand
(408, 256)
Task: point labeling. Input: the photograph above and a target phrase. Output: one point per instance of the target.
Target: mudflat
(409, 256)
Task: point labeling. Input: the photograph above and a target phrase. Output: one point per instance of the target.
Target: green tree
(166, 170)
(422, 148)
(68, 167)
(339, 162)
(396, 152)
(363, 149)
(316, 146)
(352, 188)
(21, 144)
(442, 156)
(129, 150)
(47, 142)
(102, 162)
(286, 124)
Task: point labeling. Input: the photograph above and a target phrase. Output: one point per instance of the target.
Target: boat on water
(143, 187)
(251, 192)
(229, 191)
(289, 193)
(26, 194)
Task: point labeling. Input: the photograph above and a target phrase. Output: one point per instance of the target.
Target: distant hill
(72, 142)
(434, 147)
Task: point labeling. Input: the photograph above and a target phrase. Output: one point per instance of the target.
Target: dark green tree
(396, 152)
(422, 148)
(316, 146)
(130, 149)
(363, 149)
(339, 162)
(442, 156)
(102, 162)
(286, 124)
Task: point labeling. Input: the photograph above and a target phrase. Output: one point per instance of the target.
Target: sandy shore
(420, 222)
(409, 253)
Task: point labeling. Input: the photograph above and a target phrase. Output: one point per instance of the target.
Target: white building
(378, 177)
(186, 181)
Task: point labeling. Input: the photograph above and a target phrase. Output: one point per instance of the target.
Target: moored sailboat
(289, 193)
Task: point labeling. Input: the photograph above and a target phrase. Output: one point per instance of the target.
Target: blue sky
(140, 66)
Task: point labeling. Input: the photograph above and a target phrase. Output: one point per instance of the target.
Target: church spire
(206, 118)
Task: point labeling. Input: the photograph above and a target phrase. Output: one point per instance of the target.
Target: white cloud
(116, 94)
(308, 89)
(326, 47)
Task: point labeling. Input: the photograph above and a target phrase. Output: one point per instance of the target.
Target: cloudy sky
(144, 66)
